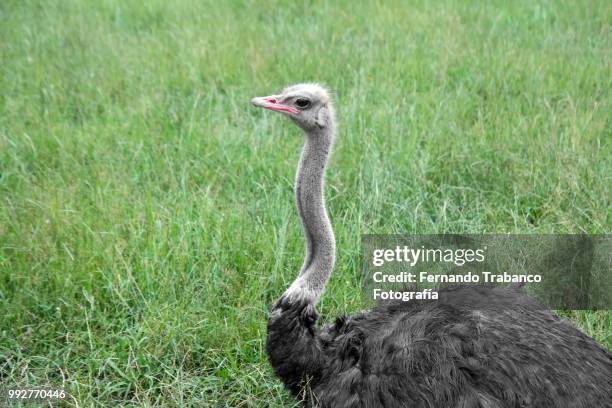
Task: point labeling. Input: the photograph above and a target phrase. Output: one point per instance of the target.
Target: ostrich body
(416, 354)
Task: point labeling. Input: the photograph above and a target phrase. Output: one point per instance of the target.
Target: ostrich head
(308, 105)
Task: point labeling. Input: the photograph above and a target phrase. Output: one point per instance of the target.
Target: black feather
(437, 354)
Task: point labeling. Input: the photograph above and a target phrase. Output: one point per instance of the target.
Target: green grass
(146, 210)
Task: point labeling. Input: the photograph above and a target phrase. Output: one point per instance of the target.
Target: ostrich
(415, 354)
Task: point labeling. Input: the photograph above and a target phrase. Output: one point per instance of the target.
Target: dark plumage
(440, 354)
(475, 347)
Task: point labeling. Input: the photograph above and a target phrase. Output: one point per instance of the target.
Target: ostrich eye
(302, 103)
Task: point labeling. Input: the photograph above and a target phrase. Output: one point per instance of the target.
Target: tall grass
(146, 211)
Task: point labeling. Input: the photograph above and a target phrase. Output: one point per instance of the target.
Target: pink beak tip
(270, 103)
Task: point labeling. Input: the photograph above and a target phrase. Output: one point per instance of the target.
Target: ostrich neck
(319, 239)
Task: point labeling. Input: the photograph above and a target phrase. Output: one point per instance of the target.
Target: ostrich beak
(271, 103)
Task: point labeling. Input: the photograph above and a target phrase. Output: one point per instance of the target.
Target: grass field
(147, 219)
